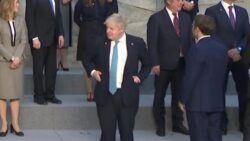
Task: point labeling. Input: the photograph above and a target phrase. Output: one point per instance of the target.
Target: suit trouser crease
(44, 60)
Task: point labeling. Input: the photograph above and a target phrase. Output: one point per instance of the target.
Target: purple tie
(231, 16)
(176, 24)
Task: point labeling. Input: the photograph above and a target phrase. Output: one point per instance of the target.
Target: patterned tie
(113, 69)
(52, 6)
(176, 24)
(231, 16)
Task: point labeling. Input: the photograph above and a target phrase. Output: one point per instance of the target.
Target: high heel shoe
(3, 134)
(90, 97)
(12, 130)
(64, 69)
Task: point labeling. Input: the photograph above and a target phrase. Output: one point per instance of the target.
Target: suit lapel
(237, 17)
(223, 15)
(168, 21)
(107, 53)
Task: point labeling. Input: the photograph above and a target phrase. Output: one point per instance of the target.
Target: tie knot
(230, 7)
(175, 14)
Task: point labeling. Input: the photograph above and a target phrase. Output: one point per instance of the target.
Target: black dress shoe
(40, 101)
(3, 134)
(181, 129)
(13, 131)
(160, 132)
(54, 100)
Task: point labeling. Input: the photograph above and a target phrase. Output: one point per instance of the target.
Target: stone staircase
(77, 114)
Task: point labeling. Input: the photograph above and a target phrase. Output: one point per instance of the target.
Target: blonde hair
(118, 19)
(88, 3)
(6, 9)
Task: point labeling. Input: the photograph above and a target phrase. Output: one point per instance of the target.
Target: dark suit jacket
(164, 43)
(224, 31)
(98, 59)
(42, 23)
(202, 88)
(195, 10)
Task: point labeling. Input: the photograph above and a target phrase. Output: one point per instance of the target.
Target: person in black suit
(246, 133)
(90, 15)
(45, 33)
(169, 37)
(191, 7)
(114, 65)
(202, 96)
(232, 25)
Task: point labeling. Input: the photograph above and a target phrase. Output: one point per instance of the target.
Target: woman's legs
(15, 106)
(88, 86)
(3, 115)
(62, 55)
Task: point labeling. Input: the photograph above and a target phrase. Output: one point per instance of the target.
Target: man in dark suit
(114, 65)
(45, 32)
(169, 38)
(246, 135)
(231, 28)
(202, 94)
(191, 7)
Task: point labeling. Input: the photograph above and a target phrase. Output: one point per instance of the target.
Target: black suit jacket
(195, 10)
(42, 23)
(164, 43)
(98, 59)
(224, 31)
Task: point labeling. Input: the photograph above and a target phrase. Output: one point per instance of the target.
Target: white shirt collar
(226, 5)
(204, 36)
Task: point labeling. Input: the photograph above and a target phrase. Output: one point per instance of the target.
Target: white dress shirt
(122, 58)
(225, 6)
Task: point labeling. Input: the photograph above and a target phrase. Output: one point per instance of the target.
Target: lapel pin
(132, 44)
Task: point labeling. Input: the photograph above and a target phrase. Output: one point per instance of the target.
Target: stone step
(72, 82)
(94, 135)
(78, 114)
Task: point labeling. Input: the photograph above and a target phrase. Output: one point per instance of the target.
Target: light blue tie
(52, 7)
(113, 70)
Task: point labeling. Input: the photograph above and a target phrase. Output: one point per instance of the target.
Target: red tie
(176, 24)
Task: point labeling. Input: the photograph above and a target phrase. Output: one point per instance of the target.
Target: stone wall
(136, 13)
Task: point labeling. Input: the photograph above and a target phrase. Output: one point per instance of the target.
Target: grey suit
(13, 88)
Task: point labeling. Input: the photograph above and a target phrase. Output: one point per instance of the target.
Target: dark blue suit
(164, 47)
(202, 89)
(122, 106)
(233, 38)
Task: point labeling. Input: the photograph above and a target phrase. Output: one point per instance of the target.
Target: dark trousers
(204, 126)
(240, 75)
(246, 134)
(44, 60)
(113, 113)
(161, 83)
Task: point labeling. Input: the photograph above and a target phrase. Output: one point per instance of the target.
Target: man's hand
(156, 70)
(97, 75)
(182, 106)
(234, 54)
(60, 41)
(188, 5)
(36, 43)
(136, 80)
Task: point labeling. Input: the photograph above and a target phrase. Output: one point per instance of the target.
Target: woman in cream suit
(13, 40)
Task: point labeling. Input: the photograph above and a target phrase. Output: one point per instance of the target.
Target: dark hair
(205, 23)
